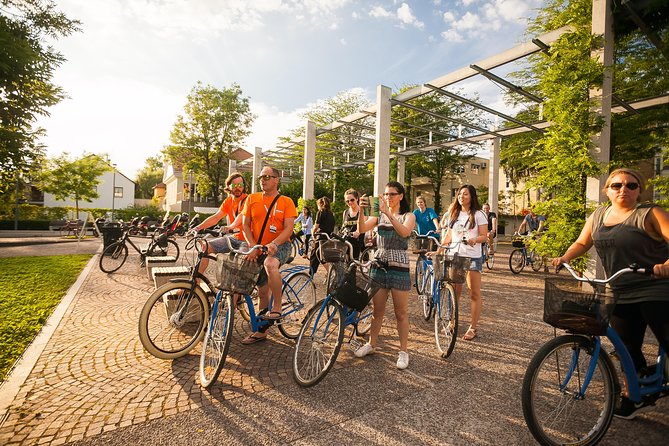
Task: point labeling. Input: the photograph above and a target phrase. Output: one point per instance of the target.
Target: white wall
(107, 181)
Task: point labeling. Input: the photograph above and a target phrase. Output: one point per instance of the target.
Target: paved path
(95, 385)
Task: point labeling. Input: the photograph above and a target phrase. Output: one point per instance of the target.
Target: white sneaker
(403, 360)
(365, 350)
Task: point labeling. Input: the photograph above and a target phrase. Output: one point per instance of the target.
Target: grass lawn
(30, 288)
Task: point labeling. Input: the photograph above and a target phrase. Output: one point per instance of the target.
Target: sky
(129, 71)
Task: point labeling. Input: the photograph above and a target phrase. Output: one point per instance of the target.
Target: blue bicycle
(346, 304)
(571, 386)
(235, 276)
(439, 296)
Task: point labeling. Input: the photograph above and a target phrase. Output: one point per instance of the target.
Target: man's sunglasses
(266, 177)
(618, 186)
(236, 185)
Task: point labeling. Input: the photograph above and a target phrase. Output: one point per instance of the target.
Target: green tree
(76, 180)
(27, 64)
(415, 126)
(150, 175)
(215, 123)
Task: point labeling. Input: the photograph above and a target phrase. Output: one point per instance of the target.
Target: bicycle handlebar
(633, 268)
(348, 245)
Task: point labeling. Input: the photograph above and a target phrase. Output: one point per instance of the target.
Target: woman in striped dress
(394, 224)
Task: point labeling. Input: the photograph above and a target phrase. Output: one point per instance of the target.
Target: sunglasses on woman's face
(618, 186)
(350, 200)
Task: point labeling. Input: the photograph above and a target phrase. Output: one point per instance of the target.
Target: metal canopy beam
(482, 107)
(507, 84)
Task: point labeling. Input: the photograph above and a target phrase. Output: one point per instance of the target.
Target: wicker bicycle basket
(235, 274)
(577, 307)
(333, 251)
(517, 241)
(451, 269)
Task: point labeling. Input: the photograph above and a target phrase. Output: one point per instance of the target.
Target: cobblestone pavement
(94, 377)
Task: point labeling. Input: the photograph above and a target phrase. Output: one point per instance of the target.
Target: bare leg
(377, 318)
(274, 280)
(474, 284)
(401, 305)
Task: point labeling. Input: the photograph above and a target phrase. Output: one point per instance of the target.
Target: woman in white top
(307, 226)
(467, 230)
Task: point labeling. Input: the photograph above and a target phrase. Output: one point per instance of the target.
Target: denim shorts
(476, 264)
(282, 254)
(219, 244)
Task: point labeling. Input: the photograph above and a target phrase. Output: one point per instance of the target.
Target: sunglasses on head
(266, 177)
(618, 186)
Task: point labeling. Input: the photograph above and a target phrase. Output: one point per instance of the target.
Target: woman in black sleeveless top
(349, 228)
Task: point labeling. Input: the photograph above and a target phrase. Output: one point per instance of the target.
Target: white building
(115, 190)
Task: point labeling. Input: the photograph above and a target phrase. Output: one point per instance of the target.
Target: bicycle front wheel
(216, 339)
(113, 257)
(446, 321)
(172, 320)
(489, 261)
(299, 296)
(426, 296)
(557, 410)
(318, 343)
(171, 249)
(517, 261)
(420, 276)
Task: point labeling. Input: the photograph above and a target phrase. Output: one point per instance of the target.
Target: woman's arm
(658, 222)
(582, 244)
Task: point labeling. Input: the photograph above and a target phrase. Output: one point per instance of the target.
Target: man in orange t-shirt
(275, 237)
(231, 207)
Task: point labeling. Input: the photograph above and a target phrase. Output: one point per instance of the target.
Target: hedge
(26, 225)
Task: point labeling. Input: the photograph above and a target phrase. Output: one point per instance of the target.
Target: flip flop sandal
(253, 339)
(269, 317)
(471, 334)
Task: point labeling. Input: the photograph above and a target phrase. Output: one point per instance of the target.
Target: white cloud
(270, 125)
(380, 12)
(476, 22)
(406, 16)
(343, 42)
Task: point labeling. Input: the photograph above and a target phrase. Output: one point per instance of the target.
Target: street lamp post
(113, 189)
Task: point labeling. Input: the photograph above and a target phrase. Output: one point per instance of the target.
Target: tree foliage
(413, 125)
(27, 65)
(150, 175)
(73, 179)
(214, 124)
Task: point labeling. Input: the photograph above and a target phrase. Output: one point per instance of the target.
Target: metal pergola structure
(349, 142)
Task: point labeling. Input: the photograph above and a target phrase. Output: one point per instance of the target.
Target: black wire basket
(577, 307)
(332, 251)
(518, 241)
(235, 274)
(353, 286)
(451, 268)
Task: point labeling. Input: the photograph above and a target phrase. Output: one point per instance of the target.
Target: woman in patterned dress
(394, 224)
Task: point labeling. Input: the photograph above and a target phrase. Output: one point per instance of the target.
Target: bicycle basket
(162, 240)
(235, 274)
(517, 241)
(355, 290)
(333, 251)
(577, 306)
(451, 269)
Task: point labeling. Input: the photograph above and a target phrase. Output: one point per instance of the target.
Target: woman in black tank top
(349, 228)
(626, 232)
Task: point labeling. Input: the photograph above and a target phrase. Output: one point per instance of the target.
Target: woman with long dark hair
(325, 224)
(467, 230)
(394, 223)
(349, 225)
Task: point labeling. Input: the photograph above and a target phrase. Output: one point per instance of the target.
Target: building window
(460, 169)
(475, 169)
(118, 192)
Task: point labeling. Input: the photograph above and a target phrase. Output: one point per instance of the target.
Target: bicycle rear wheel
(217, 339)
(364, 321)
(536, 261)
(426, 295)
(555, 409)
(446, 321)
(172, 320)
(489, 258)
(171, 249)
(113, 257)
(299, 296)
(517, 261)
(318, 343)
